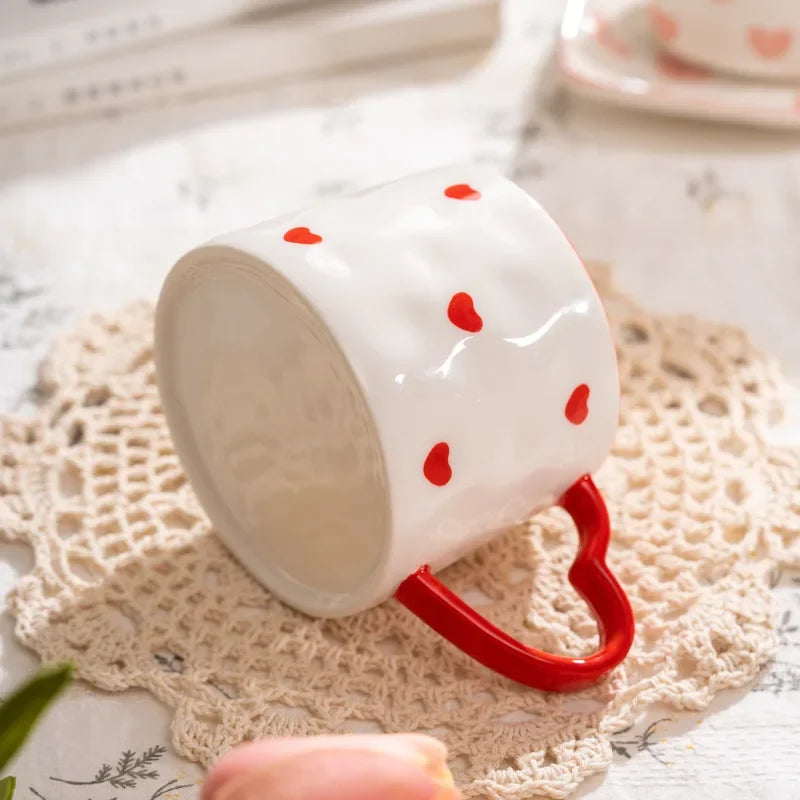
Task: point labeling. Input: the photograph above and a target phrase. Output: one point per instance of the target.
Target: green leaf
(7, 786)
(21, 709)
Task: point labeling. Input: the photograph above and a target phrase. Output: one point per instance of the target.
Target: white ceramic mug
(370, 388)
(759, 38)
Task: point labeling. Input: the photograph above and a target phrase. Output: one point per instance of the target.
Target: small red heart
(462, 191)
(606, 37)
(462, 313)
(301, 236)
(665, 25)
(770, 43)
(577, 407)
(672, 67)
(437, 465)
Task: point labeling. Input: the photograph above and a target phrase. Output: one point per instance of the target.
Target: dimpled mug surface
(759, 38)
(384, 381)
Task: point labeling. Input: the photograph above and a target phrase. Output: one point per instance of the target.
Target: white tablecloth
(693, 218)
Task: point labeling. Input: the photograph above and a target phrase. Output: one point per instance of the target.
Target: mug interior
(273, 430)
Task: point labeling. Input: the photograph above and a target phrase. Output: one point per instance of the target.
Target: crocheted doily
(131, 584)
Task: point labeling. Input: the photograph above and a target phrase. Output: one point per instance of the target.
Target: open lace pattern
(131, 584)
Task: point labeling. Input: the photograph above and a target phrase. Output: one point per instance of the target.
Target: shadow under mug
(364, 391)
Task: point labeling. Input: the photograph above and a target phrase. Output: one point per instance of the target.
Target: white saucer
(607, 50)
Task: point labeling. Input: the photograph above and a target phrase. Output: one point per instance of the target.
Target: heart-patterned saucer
(607, 50)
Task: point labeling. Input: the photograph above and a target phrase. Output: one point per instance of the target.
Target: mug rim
(217, 255)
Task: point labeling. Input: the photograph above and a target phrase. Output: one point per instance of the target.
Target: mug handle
(458, 622)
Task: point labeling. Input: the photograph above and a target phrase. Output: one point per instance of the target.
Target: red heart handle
(458, 622)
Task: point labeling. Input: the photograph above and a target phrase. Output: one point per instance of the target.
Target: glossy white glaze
(744, 37)
(339, 359)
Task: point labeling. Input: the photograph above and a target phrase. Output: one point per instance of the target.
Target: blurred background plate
(607, 51)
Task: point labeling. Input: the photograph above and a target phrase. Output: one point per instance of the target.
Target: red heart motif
(770, 43)
(577, 408)
(437, 465)
(606, 37)
(462, 191)
(665, 25)
(461, 312)
(672, 67)
(301, 236)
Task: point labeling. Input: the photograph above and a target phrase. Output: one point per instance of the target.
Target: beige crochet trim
(130, 583)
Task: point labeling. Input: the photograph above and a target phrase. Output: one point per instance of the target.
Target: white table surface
(693, 217)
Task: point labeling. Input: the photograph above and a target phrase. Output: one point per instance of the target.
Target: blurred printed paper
(249, 48)
(42, 33)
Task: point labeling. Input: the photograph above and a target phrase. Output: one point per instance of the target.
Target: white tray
(276, 49)
(606, 50)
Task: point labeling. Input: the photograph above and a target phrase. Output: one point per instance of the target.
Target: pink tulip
(390, 767)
